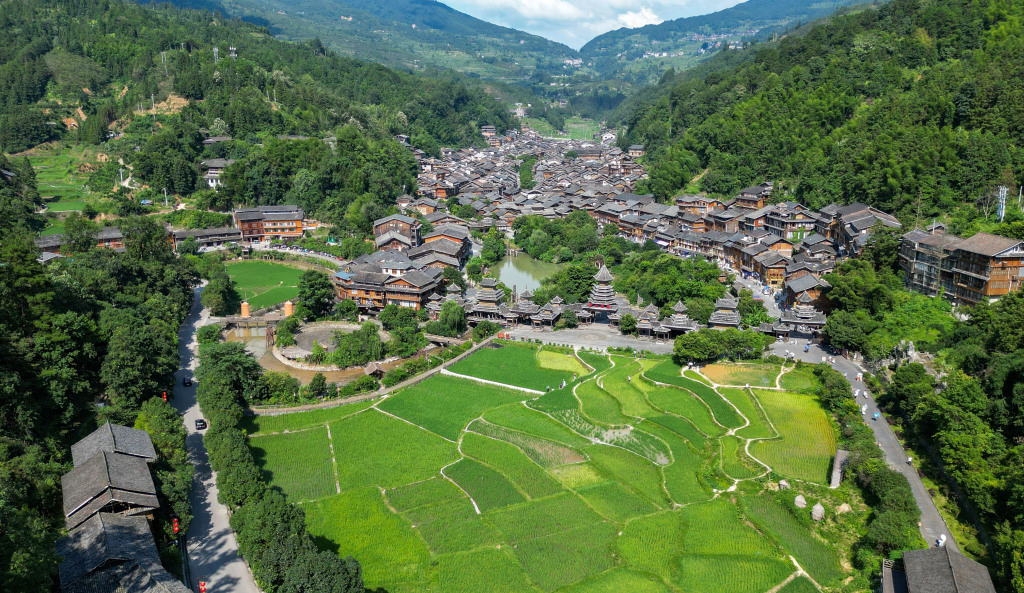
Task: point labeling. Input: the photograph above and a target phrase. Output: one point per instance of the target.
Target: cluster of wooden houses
(109, 501)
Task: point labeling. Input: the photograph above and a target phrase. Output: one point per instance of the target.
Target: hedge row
(271, 532)
(422, 364)
(893, 525)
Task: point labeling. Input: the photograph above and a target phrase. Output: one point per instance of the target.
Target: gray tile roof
(113, 553)
(104, 479)
(113, 438)
(942, 570)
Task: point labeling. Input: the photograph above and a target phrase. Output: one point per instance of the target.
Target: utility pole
(165, 197)
(216, 55)
(1001, 209)
(121, 171)
(163, 59)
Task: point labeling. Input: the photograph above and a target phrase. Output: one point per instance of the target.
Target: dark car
(187, 382)
(200, 424)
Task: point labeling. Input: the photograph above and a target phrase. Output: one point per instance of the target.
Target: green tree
(627, 324)
(316, 293)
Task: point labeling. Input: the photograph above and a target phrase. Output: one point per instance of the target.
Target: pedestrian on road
(910, 460)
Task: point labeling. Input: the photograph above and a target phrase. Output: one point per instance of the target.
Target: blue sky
(575, 22)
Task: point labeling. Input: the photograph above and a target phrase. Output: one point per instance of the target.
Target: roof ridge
(952, 569)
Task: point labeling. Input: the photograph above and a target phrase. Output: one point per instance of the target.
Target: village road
(212, 547)
(932, 524)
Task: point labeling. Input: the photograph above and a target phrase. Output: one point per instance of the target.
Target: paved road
(598, 335)
(932, 524)
(212, 548)
(330, 259)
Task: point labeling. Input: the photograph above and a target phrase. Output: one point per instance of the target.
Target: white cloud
(644, 16)
(574, 22)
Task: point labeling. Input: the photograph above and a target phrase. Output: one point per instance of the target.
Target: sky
(575, 22)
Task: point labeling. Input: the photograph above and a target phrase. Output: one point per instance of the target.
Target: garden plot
(564, 558)
(669, 372)
(556, 361)
(300, 420)
(513, 364)
(429, 491)
(374, 449)
(357, 523)
(807, 439)
(527, 476)
(445, 405)
(817, 557)
(543, 517)
(523, 419)
(264, 284)
(619, 580)
(452, 526)
(298, 463)
(488, 570)
(753, 374)
(542, 451)
(488, 488)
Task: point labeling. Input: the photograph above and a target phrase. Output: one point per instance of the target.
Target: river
(524, 272)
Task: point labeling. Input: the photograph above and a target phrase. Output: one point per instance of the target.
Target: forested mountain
(641, 55)
(93, 70)
(402, 33)
(916, 108)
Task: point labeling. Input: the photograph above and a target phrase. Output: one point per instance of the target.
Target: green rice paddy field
(613, 483)
(263, 283)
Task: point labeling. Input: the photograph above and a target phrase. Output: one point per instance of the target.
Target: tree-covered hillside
(914, 107)
(111, 57)
(627, 53)
(411, 34)
(144, 84)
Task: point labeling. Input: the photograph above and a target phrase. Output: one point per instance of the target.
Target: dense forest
(913, 107)
(85, 339)
(146, 84)
(965, 410)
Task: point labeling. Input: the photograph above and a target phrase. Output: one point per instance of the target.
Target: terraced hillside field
(620, 481)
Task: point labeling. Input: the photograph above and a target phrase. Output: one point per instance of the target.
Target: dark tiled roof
(113, 553)
(942, 570)
(986, 244)
(115, 439)
(105, 478)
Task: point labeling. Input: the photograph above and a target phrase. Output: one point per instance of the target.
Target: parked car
(187, 382)
(200, 424)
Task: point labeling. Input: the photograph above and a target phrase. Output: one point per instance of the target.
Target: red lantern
(164, 394)
(202, 586)
(174, 524)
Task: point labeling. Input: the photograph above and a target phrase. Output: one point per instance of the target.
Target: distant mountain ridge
(627, 53)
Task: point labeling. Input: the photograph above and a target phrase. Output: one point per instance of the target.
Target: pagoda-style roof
(726, 303)
(603, 275)
(679, 307)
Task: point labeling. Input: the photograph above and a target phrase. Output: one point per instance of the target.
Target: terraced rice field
(753, 374)
(264, 284)
(807, 436)
(298, 463)
(520, 365)
(611, 484)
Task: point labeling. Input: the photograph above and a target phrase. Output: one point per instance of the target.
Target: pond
(524, 272)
